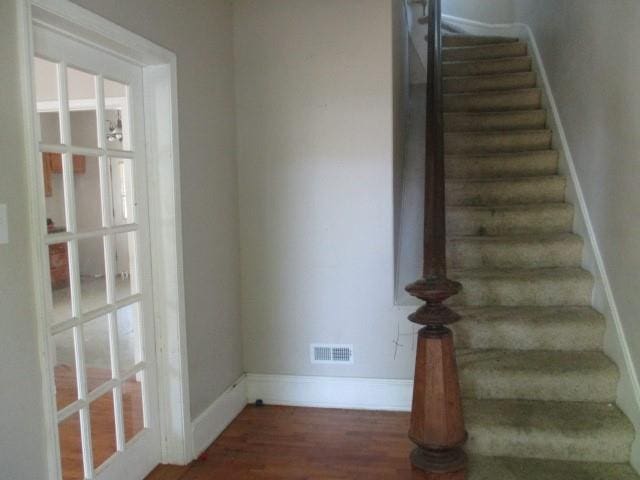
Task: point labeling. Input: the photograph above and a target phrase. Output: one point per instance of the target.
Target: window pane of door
(47, 100)
(92, 273)
(52, 169)
(128, 322)
(97, 352)
(116, 98)
(103, 428)
(82, 108)
(71, 448)
(65, 370)
(86, 180)
(132, 407)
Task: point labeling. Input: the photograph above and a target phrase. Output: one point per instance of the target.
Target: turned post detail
(437, 424)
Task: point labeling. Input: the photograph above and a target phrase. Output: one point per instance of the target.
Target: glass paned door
(96, 249)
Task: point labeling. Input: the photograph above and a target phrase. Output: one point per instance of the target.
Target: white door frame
(161, 124)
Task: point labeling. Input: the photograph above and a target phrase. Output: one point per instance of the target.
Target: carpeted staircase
(539, 392)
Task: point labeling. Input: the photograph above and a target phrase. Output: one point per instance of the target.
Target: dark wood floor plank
(287, 443)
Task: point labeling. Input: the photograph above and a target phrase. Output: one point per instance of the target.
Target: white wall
(400, 35)
(200, 33)
(315, 152)
(22, 444)
(488, 11)
(590, 52)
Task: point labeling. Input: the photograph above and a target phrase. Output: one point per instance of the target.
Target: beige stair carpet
(539, 392)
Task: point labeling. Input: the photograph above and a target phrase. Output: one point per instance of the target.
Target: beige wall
(590, 53)
(199, 32)
(488, 11)
(315, 152)
(22, 444)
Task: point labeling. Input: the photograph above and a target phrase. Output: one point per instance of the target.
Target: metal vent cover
(331, 353)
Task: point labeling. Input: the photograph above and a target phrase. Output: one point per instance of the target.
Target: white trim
(161, 123)
(111, 103)
(83, 25)
(160, 74)
(212, 422)
(582, 222)
(36, 205)
(331, 392)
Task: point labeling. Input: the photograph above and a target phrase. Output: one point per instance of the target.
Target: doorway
(99, 313)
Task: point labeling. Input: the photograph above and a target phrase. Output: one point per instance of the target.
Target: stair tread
(477, 47)
(582, 431)
(522, 273)
(490, 93)
(526, 179)
(487, 50)
(518, 207)
(483, 61)
(536, 362)
(500, 155)
(566, 328)
(490, 76)
(497, 113)
(500, 133)
(487, 66)
(534, 238)
(555, 314)
(576, 419)
(479, 38)
(510, 468)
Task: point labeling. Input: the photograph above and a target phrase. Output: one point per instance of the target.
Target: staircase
(538, 391)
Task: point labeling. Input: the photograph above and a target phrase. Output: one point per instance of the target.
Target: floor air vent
(326, 353)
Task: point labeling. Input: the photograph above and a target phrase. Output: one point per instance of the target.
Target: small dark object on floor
(259, 403)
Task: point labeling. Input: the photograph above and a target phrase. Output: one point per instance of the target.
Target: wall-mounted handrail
(437, 424)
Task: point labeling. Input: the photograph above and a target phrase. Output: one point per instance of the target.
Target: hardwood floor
(102, 419)
(282, 443)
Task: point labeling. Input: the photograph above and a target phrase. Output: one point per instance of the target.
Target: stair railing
(437, 423)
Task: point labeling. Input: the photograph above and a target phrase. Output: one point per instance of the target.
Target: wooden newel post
(437, 423)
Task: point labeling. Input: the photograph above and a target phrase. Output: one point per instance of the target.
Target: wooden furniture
(437, 424)
(52, 164)
(59, 265)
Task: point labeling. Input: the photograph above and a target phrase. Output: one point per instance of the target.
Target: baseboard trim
(331, 392)
(603, 297)
(212, 422)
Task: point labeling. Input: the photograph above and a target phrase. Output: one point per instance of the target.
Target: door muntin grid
(135, 299)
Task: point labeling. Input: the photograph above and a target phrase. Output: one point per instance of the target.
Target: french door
(96, 252)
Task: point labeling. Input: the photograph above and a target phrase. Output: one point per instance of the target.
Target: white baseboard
(211, 423)
(331, 392)
(616, 344)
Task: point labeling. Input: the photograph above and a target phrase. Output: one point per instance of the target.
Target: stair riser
(510, 442)
(502, 167)
(487, 67)
(463, 143)
(523, 292)
(574, 387)
(467, 41)
(490, 83)
(501, 102)
(463, 254)
(524, 334)
(461, 221)
(484, 52)
(517, 191)
(461, 122)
